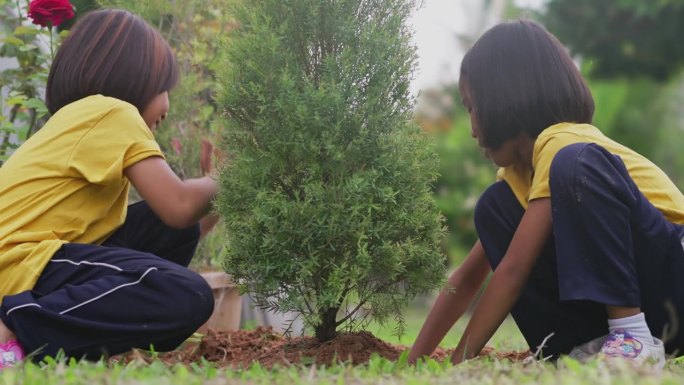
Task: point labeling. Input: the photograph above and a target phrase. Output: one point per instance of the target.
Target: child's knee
(203, 297)
(193, 299)
(565, 161)
(568, 167)
(581, 167)
(490, 201)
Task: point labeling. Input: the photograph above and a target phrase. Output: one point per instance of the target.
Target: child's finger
(206, 151)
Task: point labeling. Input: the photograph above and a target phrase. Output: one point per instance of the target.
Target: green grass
(379, 371)
(507, 338)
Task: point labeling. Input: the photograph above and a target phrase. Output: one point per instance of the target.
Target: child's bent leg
(92, 301)
(614, 247)
(538, 312)
(144, 231)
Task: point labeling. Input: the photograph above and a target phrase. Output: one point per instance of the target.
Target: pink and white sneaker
(621, 344)
(10, 354)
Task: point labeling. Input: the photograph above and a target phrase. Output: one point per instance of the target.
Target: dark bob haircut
(520, 79)
(113, 53)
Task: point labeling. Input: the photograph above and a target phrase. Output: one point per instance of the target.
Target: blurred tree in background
(464, 172)
(633, 38)
(633, 58)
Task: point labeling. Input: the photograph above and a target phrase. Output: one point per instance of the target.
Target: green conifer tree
(326, 191)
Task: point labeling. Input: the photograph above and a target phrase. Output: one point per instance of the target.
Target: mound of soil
(243, 347)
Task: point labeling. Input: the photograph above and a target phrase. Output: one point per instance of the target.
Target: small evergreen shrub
(326, 192)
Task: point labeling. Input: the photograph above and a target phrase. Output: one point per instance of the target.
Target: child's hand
(207, 154)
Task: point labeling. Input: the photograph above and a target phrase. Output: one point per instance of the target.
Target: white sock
(634, 325)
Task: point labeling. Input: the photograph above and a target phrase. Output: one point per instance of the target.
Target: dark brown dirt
(243, 347)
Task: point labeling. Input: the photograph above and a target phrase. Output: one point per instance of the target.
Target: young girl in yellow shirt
(80, 270)
(584, 235)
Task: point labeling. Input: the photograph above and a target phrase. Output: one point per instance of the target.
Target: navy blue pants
(133, 291)
(610, 246)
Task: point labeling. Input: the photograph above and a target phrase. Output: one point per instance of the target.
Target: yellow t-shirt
(649, 178)
(66, 184)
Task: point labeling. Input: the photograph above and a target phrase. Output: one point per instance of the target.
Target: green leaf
(8, 128)
(27, 47)
(13, 41)
(17, 99)
(35, 103)
(25, 30)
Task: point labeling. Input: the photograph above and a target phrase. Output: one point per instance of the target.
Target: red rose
(50, 13)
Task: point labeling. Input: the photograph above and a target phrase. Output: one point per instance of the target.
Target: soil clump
(241, 348)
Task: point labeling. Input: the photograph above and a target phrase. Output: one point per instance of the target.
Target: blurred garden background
(630, 51)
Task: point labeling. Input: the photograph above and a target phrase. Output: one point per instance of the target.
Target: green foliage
(668, 154)
(623, 37)
(627, 111)
(26, 48)
(644, 115)
(82, 7)
(464, 174)
(327, 193)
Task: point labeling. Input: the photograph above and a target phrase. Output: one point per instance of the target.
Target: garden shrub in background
(625, 38)
(630, 51)
(464, 172)
(645, 115)
(326, 193)
(27, 46)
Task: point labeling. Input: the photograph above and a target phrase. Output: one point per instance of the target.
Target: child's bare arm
(452, 302)
(508, 279)
(178, 203)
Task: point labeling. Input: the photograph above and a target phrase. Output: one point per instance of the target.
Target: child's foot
(10, 354)
(621, 344)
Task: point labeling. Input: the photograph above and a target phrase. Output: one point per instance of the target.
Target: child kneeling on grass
(80, 270)
(583, 234)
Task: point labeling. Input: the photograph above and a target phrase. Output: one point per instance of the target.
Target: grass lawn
(507, 338)
(378, 371)
(485, 371)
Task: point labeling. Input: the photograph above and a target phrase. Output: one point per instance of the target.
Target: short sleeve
(116, 141)
(518, 180)
(544, 152)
